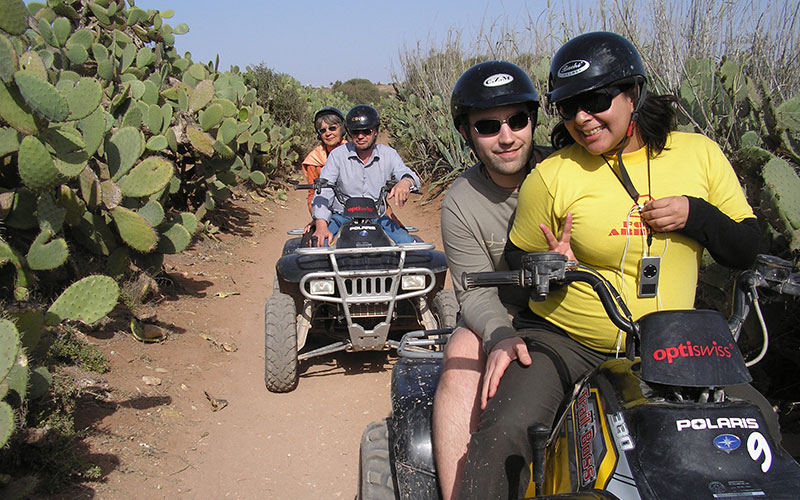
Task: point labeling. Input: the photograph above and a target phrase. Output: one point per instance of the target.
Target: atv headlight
(322, 287)
(413, 282)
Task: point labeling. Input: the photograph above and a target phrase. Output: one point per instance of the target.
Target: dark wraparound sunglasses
(595, 101)
(515, 122)
(332, 128)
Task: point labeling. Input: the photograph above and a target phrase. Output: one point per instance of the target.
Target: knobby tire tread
(280, 343)
(374, 466)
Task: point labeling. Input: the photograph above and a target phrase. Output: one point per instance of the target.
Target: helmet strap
(641, 95)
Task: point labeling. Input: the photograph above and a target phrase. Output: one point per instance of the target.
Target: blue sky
(320, 42)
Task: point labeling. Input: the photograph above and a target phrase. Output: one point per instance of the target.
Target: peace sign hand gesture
(560, 245)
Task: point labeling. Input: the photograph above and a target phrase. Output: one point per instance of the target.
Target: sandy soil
(191, 418)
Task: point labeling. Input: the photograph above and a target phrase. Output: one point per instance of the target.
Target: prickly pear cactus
(88, 300)
(113, 132)
(9, 354)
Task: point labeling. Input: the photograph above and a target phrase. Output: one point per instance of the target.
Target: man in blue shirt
(361, 168)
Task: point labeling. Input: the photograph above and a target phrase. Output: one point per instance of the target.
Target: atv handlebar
(321, 183)
(541, 270)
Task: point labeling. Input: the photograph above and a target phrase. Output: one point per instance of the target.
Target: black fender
(414, 384)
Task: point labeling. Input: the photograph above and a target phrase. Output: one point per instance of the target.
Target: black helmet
(328, 110)
(592, 61)
(490, 84)
(362, 117)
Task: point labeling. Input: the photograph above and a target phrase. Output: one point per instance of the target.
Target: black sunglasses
(367, 131)
(515, 122)
(332, 128)
(595, 101)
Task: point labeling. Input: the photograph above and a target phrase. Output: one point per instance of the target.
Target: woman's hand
(503, 353)
(560, 245)
(400, 191)
(666, 214)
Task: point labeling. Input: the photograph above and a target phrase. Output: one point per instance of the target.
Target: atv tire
(374, 465)
(280, 343)
(445, 308)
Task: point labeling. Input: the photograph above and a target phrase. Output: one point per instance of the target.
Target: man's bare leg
(456, 407)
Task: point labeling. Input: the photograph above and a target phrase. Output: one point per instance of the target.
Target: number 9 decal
(756, 446)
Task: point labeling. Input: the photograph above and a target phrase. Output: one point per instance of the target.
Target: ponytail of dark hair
(657, 118)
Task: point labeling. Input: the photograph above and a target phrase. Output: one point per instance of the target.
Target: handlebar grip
(304, 186)
(494, 278)
(791, 286)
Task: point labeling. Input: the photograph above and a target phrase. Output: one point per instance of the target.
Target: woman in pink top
(329, 124)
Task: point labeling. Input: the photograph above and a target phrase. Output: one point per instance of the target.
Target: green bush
(359, 91)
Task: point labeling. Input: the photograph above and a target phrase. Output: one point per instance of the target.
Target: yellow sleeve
(725, 192)
(535, 207)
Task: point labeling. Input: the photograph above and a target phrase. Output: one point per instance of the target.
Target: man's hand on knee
(502, 355)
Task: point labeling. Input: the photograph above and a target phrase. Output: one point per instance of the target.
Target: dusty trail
(166, 440)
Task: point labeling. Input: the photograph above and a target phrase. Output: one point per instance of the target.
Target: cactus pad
(14, 21)
(94, 234)
(153, 213)
(174, 239)
(44, 256)
(122, 151)
(71, 157)
(17, 379)
(94, 129)
(51, 216)
(154, 118)
(189, 221)
(83, 97)
(61, 30)
(87, 300)
(9, 346)
(258, 178)
(36, 167)
(22, 211)
(29, 325)
(83, 37)
(90, 187)
(201, 95)
(40, 382)
(72, 204)
(110, 193)
(227, 131)
(148, 177)
(9, 64)
(211, 117)
(781, 188)
(200, 141)
(788, 114)
(134, 230)
(14, 110)
(118, 263)
(9, 142)
(157, 143)
(6, 422)
(41, 96)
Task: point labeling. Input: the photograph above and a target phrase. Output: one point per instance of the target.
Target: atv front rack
(369, 292)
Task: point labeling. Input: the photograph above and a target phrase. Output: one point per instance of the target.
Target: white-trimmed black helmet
(592, 61)
(490, 84)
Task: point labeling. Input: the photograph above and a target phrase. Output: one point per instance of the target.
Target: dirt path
(166, 440)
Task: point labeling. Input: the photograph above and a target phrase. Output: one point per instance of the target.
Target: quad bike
(655, 424)
(362, 293)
